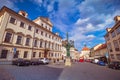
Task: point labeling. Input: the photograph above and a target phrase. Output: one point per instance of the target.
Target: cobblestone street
(78, 71)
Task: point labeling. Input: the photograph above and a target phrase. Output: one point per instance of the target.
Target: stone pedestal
(68, 61)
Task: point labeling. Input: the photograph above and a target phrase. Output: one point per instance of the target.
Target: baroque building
(112, 38)
(85, 53)
(24, 38)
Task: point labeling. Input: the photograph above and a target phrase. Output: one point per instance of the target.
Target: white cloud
(90, 37)
(94, 15)
(8, 3)
(81, 21)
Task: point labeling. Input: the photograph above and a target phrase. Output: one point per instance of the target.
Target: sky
(84, 20)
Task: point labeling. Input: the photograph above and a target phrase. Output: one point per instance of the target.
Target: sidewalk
(4, 75)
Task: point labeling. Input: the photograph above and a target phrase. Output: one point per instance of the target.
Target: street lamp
(68, 45)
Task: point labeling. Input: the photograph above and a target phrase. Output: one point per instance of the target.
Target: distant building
(24, 38)
(93, 49)
(74, 54)
(101, 50)
(112, 38)
(85, 52)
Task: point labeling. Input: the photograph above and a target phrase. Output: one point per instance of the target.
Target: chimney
(117, 18)
(23, 13)
(57, 33)
(108, 29)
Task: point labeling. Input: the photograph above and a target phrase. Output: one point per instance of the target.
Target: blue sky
(84, 20)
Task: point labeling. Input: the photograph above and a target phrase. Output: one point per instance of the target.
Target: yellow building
(113, 40)
(23, 38)
(93, 49)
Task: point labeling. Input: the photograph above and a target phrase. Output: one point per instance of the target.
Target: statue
(68, 45)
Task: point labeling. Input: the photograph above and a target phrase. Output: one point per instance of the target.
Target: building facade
(93, 49)
(23, 38)
(85, 53)
(112, 38)
(74, 54)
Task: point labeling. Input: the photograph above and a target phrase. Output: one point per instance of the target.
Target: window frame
(6, 37)
(27, 43)
(25, 54)
(19, 40)
(12, 21)
(22, 24)
(30, 28)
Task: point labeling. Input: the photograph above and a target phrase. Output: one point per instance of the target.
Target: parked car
(21, 62)
(88, 60)
(81, 60)
(34, 62)
(101, 63)
(114, 65)
(43, 61)
(95, 61)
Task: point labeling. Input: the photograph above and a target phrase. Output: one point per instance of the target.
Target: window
(49, 36)
(16, 54)
(49, 45)
(51, 54)
(39, 54)
(27, 41)
(4, 54)
(22, 24)
(109, 47)
(46, 27)
(45, 44)
(116, 45)
(34, 53)
(36, 31)
(40, 44)
(118, 56)
(30, 28)
(118, 30)
(46, 35)
(113, 34)
(112, 56)
(35, 43)
(42, 25)
(119, 41)
(12, 20)
(42, 33)
(107, 38)
(19, 40)
(25, 54)
(8, 37)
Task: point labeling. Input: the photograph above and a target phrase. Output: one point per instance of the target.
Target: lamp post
(68, 46)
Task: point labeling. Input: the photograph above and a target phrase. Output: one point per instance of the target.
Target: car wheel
(114, 68)
(18, 64)
(32, 63)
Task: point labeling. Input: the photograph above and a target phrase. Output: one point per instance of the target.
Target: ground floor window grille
(4, 54)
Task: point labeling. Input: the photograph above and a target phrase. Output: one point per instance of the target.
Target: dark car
(34, 62)
(114, 65)
(21, 62)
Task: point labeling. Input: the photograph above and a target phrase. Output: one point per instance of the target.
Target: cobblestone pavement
(78, 71)
(5, 75)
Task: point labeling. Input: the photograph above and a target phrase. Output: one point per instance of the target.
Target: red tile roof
(101, 47)
(85, 49)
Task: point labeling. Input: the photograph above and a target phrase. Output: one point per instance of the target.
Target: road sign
(14, 50)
